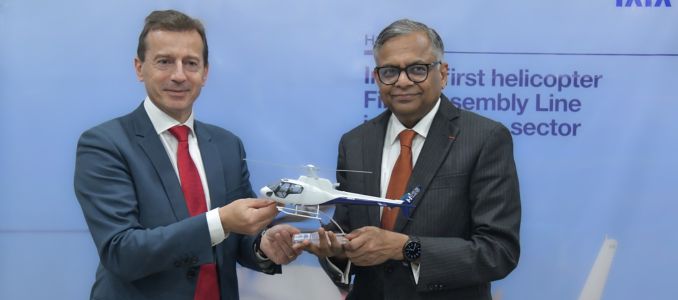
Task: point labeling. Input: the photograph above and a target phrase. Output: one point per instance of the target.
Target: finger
(263, 215)
(355, 233)
(357, 245)
(333, 238)
(291, 229)
(337, 246)
(284, 248)
(284, 237)
(322, 239)
(259, 203)
(298, 248)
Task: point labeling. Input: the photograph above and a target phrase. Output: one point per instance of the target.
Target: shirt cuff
(415, 271)
(217, 234)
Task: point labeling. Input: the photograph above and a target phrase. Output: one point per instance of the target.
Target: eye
(417, 69)
(192, 65)
(389, 72)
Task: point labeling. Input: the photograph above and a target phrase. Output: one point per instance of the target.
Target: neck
(408, 122)
(182, 117)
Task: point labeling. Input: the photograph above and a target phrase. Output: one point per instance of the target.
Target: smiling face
(173, 71)
(410, 101)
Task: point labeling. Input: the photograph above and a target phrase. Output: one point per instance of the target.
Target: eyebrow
(416, 62)
(163, 55)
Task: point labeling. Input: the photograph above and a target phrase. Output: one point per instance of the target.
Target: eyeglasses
(416, 73)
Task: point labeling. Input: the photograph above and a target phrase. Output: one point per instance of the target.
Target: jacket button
(389, 269)
(194, 260)
(190, 274)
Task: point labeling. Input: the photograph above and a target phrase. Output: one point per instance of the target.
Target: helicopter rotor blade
(354, 171)
(309, 167)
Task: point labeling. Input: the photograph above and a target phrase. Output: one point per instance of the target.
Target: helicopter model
(304, 197)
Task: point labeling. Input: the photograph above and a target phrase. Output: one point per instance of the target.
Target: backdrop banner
(587, 88)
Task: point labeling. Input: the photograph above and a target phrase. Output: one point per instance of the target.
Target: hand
(247, 216)
(328, 245)
(277, 244)
(369, 246)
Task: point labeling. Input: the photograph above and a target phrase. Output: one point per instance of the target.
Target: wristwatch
(257, 250)
(412, 249)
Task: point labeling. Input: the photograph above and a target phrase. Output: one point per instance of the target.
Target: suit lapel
(374, 146)
(150, 142)
(441, 136)
(213, 166)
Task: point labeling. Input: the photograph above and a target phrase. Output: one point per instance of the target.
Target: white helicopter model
(305, 196)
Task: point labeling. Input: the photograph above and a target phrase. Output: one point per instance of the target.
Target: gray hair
(405, 26)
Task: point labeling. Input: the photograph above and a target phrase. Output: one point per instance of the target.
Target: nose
(178, 74)
(266, 191)
(403, 79)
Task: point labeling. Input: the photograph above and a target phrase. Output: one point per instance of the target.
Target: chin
(404, 109)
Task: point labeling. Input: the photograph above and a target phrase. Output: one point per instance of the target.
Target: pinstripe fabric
(467, 215)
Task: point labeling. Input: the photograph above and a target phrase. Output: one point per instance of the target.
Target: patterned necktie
(399, 178)
(207, 287)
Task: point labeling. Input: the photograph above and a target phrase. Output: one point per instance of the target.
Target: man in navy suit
(164, 195)
(463, 231)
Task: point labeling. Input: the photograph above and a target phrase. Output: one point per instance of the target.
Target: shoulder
(474, 121)
(481, 131)
(216, 133)
(370, 127)
(110, 130)
(472, 127)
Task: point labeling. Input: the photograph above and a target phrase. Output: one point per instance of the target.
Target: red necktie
(208, 286)
(399, 177)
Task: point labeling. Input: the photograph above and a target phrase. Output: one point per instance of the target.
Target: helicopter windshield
(282, 189)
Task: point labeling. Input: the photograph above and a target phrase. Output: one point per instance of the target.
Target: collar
(394, 126)
(162, 121)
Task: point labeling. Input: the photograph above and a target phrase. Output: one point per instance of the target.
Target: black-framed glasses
(415, 72)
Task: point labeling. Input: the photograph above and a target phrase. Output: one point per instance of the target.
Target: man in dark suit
(145, 182)
(463, 232)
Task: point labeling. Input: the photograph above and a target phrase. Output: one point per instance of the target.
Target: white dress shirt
(162, 122)
(392, 151)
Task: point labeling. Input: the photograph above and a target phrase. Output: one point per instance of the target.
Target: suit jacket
(467, 214)
(149, 246)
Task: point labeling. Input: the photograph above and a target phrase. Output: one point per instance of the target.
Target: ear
(137, 68)
(444, 70)
(204, 74)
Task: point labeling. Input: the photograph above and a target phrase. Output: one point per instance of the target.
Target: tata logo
(645, 3)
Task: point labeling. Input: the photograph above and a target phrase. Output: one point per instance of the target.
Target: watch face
(412, 250)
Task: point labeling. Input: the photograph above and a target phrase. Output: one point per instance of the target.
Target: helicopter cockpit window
(296, 189)
(282, 189)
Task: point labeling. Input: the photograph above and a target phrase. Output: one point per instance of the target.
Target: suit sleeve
(105, 189)
(492, 251)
